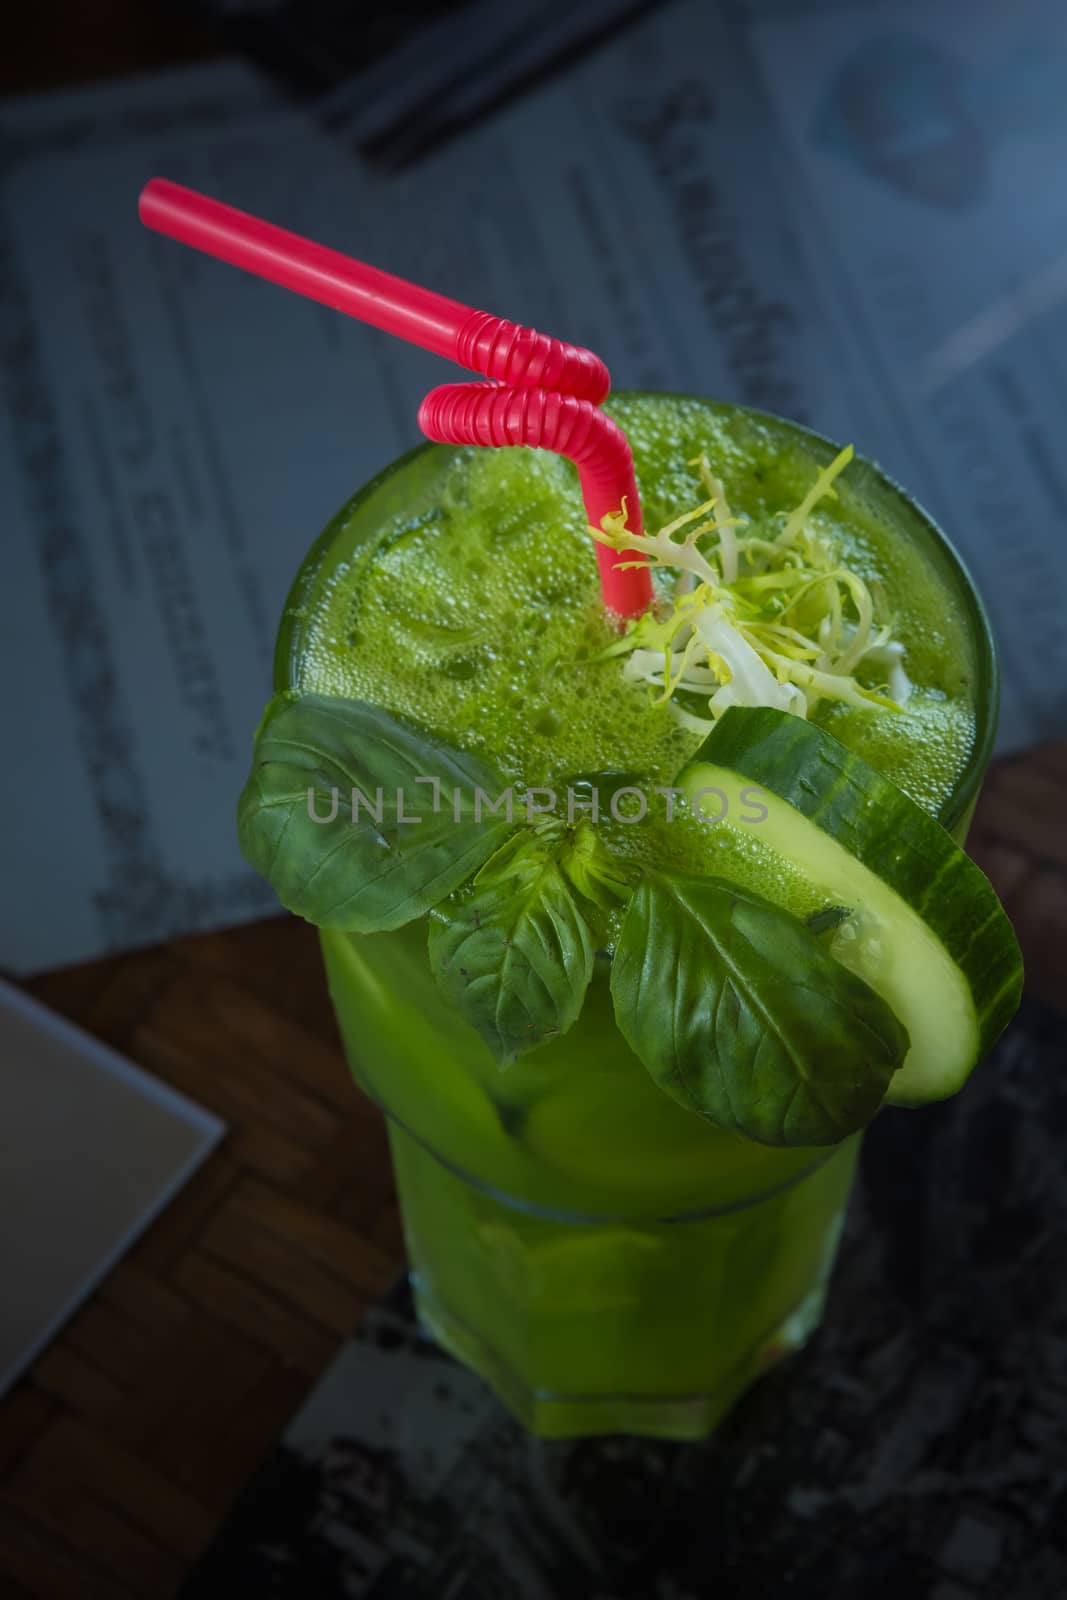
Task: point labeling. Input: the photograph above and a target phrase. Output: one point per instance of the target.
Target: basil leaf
(598, 875)
(740, 1014)
(513, 952)
(387, 855)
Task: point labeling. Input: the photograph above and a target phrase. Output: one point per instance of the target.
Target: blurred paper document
(927, 145)
(853, 219)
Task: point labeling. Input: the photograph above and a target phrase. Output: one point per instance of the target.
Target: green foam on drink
(480, 617)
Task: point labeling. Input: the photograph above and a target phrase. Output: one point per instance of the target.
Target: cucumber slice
(925, 929)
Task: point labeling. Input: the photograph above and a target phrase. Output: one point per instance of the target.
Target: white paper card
(91, 1150)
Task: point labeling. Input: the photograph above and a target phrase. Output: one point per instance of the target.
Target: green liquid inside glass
(606, 1259)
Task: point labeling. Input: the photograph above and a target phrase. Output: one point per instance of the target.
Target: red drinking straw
(498, 349)
(527, 362)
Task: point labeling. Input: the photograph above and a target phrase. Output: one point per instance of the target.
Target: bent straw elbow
(474, 413)
(522, 358)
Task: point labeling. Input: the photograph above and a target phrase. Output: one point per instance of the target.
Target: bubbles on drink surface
(481, 617)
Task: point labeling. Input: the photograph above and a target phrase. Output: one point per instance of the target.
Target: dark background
(309, 44)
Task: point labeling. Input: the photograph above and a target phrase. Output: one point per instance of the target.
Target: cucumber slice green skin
(894, 839)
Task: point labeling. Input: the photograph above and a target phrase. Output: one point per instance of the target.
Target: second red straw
(475, 413)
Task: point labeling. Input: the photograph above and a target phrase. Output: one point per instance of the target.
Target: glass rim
(986, 687)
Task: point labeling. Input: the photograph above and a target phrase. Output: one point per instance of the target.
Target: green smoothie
(612, 1241)
(476, 609)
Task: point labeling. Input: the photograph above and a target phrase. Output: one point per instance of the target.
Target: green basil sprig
(737, 1010)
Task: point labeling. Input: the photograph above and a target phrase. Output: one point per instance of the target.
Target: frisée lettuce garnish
(763, 614)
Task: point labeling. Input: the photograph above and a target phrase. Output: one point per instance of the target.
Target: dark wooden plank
(79, 1386)
(100, 1535)
(267, 1323)
(1051, 758)
(37, 1557)
(286, 1271)
(114, 1343)
(387, 1231)
(24, 1415)
(73, 1461)
(225, 1423)
(217, 1474)
(1006, 866)
(220, 1369)
(73, 990)
(1041, 923)
(268, 1153)
(1024, 807)
(180, 1225)
(320, 1237)
(184, 1051)
(353, 1176)
(282, 954)
(14, 1590)
(263, 1040)
(149, 1302)
(127, 991)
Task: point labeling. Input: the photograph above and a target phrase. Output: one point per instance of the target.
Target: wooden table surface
(124, 1446)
